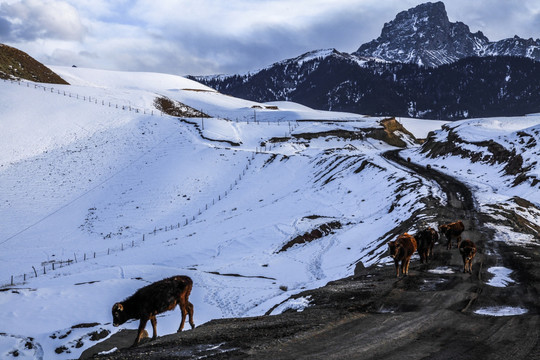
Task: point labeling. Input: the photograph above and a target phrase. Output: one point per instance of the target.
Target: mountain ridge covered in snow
(405, 73)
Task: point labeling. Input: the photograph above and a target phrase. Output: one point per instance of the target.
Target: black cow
(154, 299)
(425, 240)
(467, 249)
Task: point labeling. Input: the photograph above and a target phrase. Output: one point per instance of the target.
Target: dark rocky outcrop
(16, 64)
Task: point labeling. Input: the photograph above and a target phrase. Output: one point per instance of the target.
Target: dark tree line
(471, 87)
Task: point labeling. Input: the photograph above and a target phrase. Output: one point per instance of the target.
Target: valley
(435, 312)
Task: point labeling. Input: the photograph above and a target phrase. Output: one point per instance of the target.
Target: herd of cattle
(165, 294)
(404, 247)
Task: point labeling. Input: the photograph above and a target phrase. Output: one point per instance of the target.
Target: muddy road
(429, 314)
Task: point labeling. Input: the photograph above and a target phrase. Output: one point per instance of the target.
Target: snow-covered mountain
(424, 35)
(405, 72)
(281, 80)
(471, 87)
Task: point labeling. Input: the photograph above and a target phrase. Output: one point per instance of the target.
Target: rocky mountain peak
(424, 35)
(407, 22)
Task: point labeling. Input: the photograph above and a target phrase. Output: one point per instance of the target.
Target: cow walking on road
(467, 249)
(401, 250)
(425, 240)
(452, 230)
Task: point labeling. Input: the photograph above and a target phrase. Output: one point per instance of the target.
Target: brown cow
(154, 299)
(452, 230)
(425, 240)
(401, 250)
(467, 249)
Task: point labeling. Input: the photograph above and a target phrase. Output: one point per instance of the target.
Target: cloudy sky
(202, 37)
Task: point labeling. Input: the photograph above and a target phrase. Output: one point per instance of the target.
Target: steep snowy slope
(102, 194)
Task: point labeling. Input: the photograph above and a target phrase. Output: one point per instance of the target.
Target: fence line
(58, 264)
(140, 110)
(76, 96)
(53, 265)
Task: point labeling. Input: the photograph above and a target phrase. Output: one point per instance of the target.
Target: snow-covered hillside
(102, 194)
(498, 159)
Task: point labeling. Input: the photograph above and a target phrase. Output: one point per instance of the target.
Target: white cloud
(37, 19)
(216, 36)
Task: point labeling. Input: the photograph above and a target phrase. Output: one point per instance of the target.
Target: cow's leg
(449, 243)
(430, 253)
(142, 325)
(458, 241)
(183, 308)
(154, 326)
(190, 313)
(407, 261)
(396, 263)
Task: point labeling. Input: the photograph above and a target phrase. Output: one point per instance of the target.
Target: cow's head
(468, 252)
(118, 314)
(393, 249)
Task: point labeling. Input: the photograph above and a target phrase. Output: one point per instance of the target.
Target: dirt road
(373, 315)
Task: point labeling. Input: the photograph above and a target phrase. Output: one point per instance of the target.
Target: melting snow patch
(19, 347)
(441, 270)
(108, 351)
(507, 235)
(501, 276)
(501, 311)
(295, 304)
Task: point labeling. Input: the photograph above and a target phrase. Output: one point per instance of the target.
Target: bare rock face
(424, 36)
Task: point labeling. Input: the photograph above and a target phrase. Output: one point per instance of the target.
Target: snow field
(77, 178)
